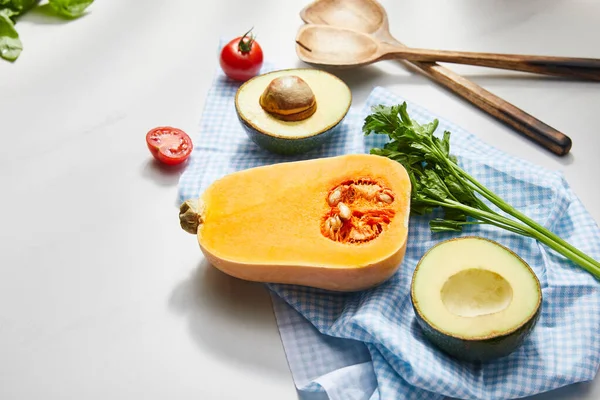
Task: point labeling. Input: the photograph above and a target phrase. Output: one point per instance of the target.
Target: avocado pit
(288, 98)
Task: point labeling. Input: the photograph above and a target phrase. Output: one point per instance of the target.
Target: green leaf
(19, 6)
(459, 191)
(454, 215)
(7, 11)
(382, 120)
(406, 133)
(433, 186)
(10, 44)
(442, 225)
(431, 127)
(404, 115)
(70, 8)
(445, 144)
(418, 208)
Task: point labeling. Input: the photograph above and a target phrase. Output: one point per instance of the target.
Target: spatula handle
(524, 123)
(583, 68)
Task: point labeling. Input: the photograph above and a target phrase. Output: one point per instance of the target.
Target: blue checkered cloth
(367, 345)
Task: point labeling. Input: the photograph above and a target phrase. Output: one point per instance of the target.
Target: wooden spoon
(368, 16)
(326, 45)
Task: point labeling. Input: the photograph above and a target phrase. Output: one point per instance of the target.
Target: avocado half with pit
(475, 299)
(292, 111)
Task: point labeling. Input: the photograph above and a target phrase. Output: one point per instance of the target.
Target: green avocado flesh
(474, 298)
(333, 98)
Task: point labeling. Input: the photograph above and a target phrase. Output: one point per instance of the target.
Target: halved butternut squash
(337, 223)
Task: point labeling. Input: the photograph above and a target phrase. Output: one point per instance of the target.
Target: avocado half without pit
(292, 111)
(475, 299)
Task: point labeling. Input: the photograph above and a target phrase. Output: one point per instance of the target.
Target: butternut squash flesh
(337, 223)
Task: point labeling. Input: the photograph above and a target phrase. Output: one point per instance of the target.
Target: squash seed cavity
(359, 211)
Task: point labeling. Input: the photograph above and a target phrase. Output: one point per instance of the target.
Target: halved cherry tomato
(169, 145)
(241, 58)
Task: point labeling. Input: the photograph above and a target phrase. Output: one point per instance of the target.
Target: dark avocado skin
(286, 146)
(477, 350)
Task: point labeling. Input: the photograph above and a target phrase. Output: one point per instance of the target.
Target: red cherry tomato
(169, 145)
(241, 58)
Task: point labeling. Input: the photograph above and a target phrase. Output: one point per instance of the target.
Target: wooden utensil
(368, 16)
(326, 45)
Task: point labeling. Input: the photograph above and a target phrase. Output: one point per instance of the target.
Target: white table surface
(102, 295)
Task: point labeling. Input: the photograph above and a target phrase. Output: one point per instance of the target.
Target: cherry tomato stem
(242, 57)
(245, 46)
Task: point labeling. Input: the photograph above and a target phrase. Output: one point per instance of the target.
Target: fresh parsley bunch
(438, 181)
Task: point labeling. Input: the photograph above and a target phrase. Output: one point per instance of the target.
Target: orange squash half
(337, 223)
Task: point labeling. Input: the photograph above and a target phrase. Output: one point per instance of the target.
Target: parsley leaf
(437, 181)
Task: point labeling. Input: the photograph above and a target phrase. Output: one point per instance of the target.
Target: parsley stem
(501, 204)
(493, 218)
(457, 172)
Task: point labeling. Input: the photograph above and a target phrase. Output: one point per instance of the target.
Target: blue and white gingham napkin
(367, 345)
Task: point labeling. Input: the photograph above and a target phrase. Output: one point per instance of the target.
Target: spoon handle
(524, 123)
(583, 68)
(536, 130)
